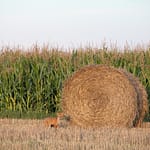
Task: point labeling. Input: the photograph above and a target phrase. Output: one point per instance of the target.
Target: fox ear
(60, 114)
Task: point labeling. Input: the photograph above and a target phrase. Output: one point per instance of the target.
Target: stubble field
(31, 134)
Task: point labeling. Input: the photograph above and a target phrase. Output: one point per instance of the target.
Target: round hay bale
(98, 95)
(142, 98)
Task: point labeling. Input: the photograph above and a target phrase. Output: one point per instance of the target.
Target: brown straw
(98, 96)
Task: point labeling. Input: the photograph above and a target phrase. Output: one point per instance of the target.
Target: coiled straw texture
(98, 96)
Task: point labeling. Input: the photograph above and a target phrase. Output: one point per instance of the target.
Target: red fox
(53, 121)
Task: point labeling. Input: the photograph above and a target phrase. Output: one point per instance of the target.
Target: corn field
(32, 80)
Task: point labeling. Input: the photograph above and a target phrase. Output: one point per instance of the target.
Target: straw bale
(98, 96)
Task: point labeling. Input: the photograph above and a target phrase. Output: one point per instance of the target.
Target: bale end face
(98, 96)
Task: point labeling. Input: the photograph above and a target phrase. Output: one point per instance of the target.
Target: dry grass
(31, 134)
(98, 96)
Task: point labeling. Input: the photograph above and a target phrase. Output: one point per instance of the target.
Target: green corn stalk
(32, 81)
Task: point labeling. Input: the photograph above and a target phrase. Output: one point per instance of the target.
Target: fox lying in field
(53, 121)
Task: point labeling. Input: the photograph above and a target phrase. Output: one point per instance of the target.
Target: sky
(74, 22)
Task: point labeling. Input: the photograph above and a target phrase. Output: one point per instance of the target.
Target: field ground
(19, 134)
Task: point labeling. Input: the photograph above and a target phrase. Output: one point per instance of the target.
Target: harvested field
(99, 96)
(30, 134)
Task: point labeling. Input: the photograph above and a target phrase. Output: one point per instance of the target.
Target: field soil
(32, 134)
